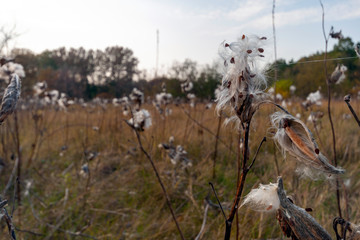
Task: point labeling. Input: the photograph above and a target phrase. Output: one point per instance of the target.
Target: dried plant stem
(240, 186)
(13, 172)
(18, 178)
(187, 123)
(329, 108)
(216, 145)
(160, 182)
(238, 179)
(9, 223)
(347, 100)
(275, 53)
(203, 223)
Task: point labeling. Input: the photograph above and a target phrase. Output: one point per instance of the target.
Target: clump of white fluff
(141, 120)
(264, 198)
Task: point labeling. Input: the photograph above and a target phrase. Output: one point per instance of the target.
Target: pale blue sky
(188, 29)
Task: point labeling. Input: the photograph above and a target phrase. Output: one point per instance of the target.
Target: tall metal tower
(157, 52)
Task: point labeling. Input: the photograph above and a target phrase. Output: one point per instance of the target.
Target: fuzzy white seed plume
(294, 137)
(10, 98)
(314, 98)
(264, 198)
(243, 81)
(292, 89)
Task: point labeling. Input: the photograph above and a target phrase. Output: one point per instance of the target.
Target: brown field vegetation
(120, 198)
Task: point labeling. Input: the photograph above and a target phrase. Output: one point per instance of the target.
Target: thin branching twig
(158, 178)
(329, 108)
(203, 223)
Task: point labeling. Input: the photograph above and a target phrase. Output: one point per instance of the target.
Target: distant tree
(184, 71)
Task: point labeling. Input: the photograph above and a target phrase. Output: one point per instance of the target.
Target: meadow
(83, 175)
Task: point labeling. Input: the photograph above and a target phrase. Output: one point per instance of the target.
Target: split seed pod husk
(295, 221)
(10, 98)
(295, 138)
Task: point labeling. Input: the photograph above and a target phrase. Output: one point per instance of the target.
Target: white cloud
(248, 9)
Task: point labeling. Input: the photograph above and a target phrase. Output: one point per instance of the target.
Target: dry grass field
(83, 175)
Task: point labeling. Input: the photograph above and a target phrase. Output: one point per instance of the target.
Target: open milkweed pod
(295, 221)
(10, 98)
(295, 138)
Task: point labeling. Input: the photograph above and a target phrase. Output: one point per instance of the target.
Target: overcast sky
(188, 28)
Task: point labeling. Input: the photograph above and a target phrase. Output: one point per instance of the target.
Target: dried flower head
(243, 81)
(335, 35)
(141, 120)
(10, 68)
(312, 99)
(186, 86)
(137, 97)
(294, 137)
(338, 76)
(163, 98)
(292, 89)
(10, 98)
(264, 198)
(39, 88)
(176, 154)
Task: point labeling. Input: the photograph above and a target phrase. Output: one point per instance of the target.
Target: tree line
(114, 72)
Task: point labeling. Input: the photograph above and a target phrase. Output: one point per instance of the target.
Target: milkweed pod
(294, 137)
(10, 98)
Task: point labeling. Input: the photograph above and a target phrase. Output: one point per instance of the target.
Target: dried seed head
(338, 76)
(261, 50)
(10, 98)
(227, 45)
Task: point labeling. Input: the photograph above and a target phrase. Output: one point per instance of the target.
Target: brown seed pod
(261, 50)
(249, 51)
(232, 60)
(243, 37)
